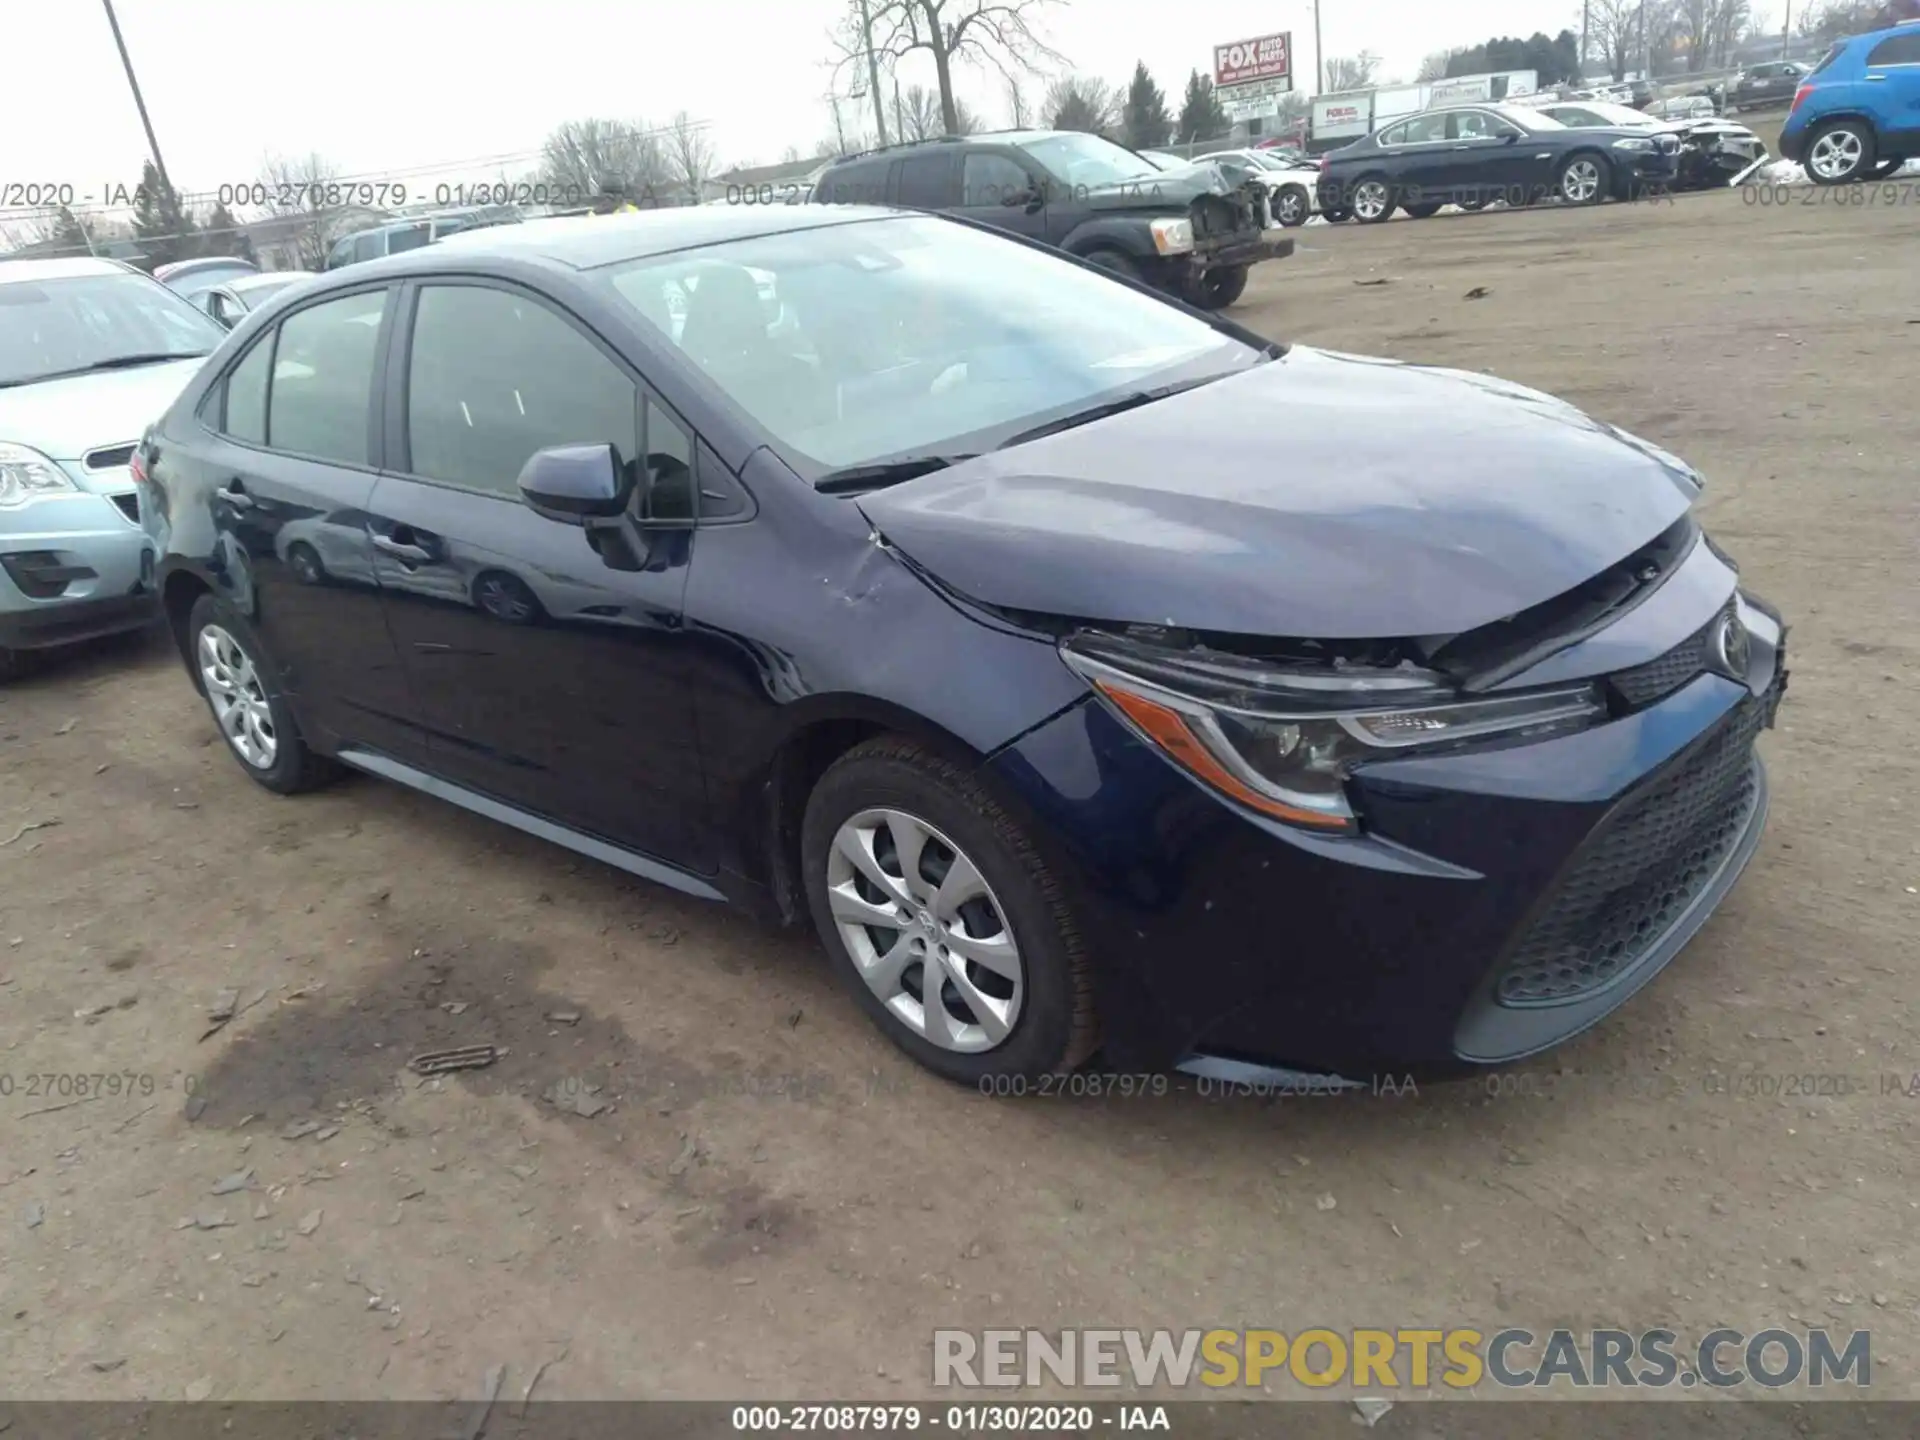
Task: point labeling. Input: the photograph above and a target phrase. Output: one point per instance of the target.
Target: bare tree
(1613, 32)
(1019, 113)
(1352, 72)
(990, 32)
(582, 156)
(917, 114)
(1081, 102)
(1434, 67)
(690, 155)
(305, 193)
(791, 155)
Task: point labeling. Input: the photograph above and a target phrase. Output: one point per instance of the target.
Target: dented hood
(1320, 496)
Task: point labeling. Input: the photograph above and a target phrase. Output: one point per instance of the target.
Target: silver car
(91, 351)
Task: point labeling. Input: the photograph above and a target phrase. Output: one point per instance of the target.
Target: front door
(995, 189)
(548, 678)
(1488, 158)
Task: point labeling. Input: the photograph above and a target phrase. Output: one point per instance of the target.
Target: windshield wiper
(121, 362)
(1132, 400)
(856, 478)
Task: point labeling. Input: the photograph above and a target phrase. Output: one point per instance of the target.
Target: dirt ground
(771, 1201)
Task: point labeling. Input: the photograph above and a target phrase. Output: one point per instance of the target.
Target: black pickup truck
(1192, 232)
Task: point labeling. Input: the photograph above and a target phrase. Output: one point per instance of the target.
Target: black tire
(1054, 1029)
(1473, 207)
(1336, 216)
(1574, 165)
(1291, 206)
(1117, 262)
(1217, 289)
(13, 664)
(1840, 131)
(1386, 209)
(1425, 210)
(305, 563)
(1883, 168)
(294, 766)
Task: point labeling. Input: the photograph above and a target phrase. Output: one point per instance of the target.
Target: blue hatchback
(1857, 116)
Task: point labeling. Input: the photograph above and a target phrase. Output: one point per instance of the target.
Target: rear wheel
(1218, 289)
(1584, 179)
(1373, 201)
(1291, 207)
(943, 918)
(247, 703)
(305, 563)
(1117, 262)
(1840, 152)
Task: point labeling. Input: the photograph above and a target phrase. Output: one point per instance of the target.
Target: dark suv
(1760, 87)
(1191, 232)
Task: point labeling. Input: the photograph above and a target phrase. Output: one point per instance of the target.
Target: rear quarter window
(1827, 59)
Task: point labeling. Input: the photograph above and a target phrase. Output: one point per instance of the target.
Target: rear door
(1417, 159)
(549, 679)
(926, 179)
(296, 444)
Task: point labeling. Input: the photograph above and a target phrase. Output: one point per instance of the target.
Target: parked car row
(1192, 231)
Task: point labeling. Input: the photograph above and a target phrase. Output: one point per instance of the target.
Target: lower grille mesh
(1637, 876)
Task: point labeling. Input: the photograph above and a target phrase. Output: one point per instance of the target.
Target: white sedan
(1290, 182)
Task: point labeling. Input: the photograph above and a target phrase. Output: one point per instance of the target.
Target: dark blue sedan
(876, 571)
(1473, 155)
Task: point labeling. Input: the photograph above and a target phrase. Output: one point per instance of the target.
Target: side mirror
(1511, 137)
(576, 483)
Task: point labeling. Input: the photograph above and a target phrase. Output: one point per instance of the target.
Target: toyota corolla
(965, 612)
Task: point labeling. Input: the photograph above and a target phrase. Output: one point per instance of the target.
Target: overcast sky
(429, 87)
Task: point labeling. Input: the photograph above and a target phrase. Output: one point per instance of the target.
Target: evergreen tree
(1145, 120)
(1201, 117)
(221, 235)
(70, 234)
(161, 225)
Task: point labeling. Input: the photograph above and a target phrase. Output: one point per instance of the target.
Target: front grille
(1640, 872)
(110, 458)
(1647, 683)
(129, 504)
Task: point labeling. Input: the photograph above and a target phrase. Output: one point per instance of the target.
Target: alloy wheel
(238, 698)
(1581, 182)
(925, 931)
(1288, 207)
(1836, 155)
(1370, 199)
(503, 599)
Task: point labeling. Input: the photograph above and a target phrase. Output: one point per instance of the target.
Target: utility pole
(1586, 19)
(1319, 56)
(1786, 31)
(873, 72)
(159, 165)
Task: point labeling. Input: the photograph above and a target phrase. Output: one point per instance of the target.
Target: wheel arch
(180, 590)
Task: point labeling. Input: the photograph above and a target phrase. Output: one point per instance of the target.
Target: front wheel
(943, 918)
(1373, 201)
(248, 705)
(1291, 207)
(1218, 289)
(1584, 180)
(1115, 262)
(1840, 153)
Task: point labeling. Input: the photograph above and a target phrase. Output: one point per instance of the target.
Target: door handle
(236, 495)
(404, 553)
(1876, 77)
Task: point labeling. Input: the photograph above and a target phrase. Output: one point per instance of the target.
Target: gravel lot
(770, 1201)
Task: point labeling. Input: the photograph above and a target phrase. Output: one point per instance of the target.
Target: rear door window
(323, 379)
(926, 180)
(1897, 50)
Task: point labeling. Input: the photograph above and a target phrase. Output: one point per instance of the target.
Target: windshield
(860, 343)
(1081, 159)
(51, 327)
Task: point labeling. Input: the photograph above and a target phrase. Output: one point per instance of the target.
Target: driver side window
(991, 180)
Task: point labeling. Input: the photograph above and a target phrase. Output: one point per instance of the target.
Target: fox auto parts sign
(1270, 57)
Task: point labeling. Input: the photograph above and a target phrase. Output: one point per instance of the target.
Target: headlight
(1634, 143)
(1172, 237)
(26, 475)
(1282, 740)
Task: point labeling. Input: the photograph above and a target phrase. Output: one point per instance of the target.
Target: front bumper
(72, 567)
(1234, 253)
(1469, 926)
